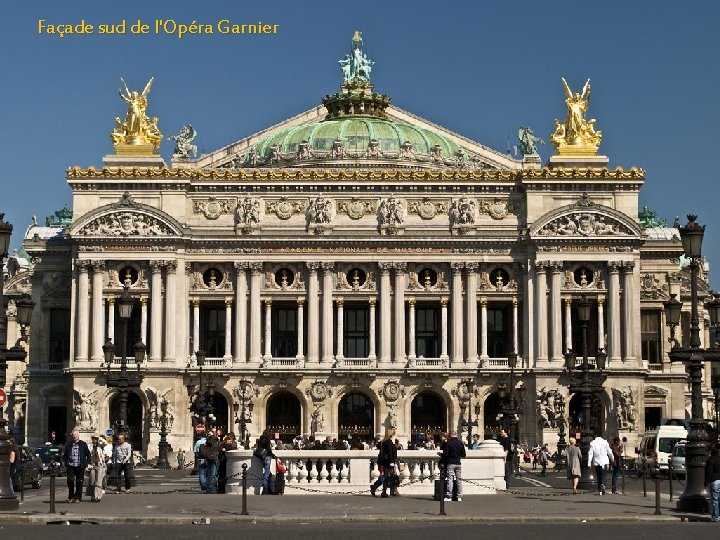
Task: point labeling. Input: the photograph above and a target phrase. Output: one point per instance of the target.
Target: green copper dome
(356, 134)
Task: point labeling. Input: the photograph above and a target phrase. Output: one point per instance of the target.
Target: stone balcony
(352, 471)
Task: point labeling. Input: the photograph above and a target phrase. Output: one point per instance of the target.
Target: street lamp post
(695, 496)
(559, 404)
(162, 462)
(123, 380)
(8, 500)
(245, 413)
(508, 405)
(587, 384)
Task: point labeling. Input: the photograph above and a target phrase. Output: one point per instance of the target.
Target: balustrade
(352, 471)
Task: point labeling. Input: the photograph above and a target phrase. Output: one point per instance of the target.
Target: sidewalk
(184, 504)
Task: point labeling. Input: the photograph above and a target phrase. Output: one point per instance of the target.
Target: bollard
(622, 472)
(670, 473)
(22, 481)
(53, 475)
(624, 462)
(442, 491)
(244, 511)
(657, 492)
(644, 473)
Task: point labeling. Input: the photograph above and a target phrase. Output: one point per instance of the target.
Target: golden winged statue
(137, 133)
(576, 136)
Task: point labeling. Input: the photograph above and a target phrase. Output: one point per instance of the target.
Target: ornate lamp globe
(692, 237)
(673, 310)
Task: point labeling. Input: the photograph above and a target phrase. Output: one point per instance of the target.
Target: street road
(394, 531)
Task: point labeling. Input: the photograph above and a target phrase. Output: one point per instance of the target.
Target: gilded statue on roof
(137, 130)
(576, 135)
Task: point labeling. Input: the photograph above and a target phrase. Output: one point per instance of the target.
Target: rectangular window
(357, 331)
(284, 331)
(499, 335)
(650, 336)
(427, 333)
(59, 337)
(212, 330)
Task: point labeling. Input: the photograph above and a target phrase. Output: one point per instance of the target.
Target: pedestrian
(573, 456)
(228, 443)
(263, 452)
(210, 452)
(181, 459)
(508, 455)
(617, 464)
(453, 452)
(543, 458)
(77, 459)
(600, 456)
(122, 459)
(712, 481)
(13, 462)
(386, 460)
(200, 462)
(96, 479)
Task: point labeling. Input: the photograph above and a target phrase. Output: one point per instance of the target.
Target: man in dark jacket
(77, 459)
(453, 452)
(712, 481)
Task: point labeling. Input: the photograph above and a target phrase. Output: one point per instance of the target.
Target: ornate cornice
(353, 175)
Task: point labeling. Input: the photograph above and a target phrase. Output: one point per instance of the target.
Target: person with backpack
(263, 452)
(544, 457)
(386, 460)
(210, 452)
(452, 453)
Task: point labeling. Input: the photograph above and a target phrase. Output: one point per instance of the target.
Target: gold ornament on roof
(137, 134)
(576, 136)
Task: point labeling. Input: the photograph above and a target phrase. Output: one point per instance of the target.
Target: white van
(656, 446)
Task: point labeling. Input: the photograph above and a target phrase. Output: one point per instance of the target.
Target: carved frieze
(427, 208)
(247, 215)
(213, 208)
(584, 224)
(125, 224)
(462, 212)
(353, 281)
(285, 208)
(356, 208)
(652, 288)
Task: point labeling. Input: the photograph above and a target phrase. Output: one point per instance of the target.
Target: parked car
(656, 446)
(47, 454)
(678, 459)
(32, 472)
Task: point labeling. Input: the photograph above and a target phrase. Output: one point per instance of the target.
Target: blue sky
(476, 67)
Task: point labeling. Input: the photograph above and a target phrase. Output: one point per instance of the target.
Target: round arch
(356, 416)
(491, 419)
(283, 415)
(428, 416)
(221, 411)
(575, 415)
(135, 418)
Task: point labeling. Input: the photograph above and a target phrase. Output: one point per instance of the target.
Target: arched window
(283, 416)
(356, 417)
(428, 416)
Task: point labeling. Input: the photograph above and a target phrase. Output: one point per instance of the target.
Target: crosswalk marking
(534, 481)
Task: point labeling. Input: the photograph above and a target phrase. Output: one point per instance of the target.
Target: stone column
(457, 318)
(443, 328)
(371, 329)
(568, 324)
(541, 310)
(556, 329)
(83, 311)
(143, 318)
(340, 330)
(228, 330)
(256, 278)
(170, 309)
(327, 313)
(411, 328)
(313, 346)
(111, 318)
(98, 311)
(196, 326)
(613, 312)
(627, 309)
(400, 355)
(516, 344)
(156, 314)
(385, 313)
(268, 329)
(240, 313)
(483, 329)
(471, 311)
(300, 328)
(601, 323)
